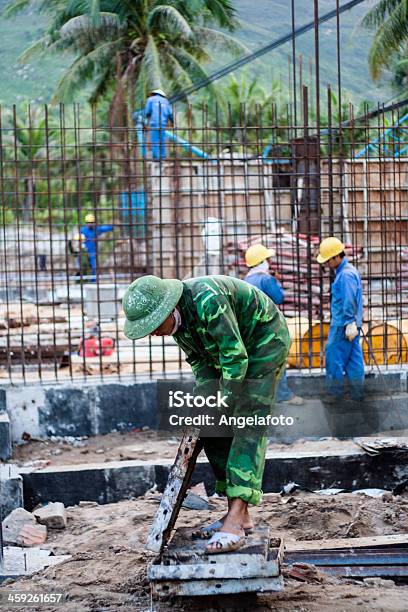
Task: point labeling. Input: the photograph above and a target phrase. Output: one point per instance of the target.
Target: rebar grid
(258, 176)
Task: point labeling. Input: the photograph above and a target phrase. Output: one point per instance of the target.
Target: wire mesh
(227, 178)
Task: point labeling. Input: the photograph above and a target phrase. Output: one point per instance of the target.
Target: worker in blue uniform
(159, 113)
(257, 260)
(90, 231)
(343, 351)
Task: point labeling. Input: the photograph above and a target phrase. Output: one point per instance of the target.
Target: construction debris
(374, 446)
(195, 502)
(13, 524)
(186, 569)
(52, 515)
(32, 535)
(18, 562)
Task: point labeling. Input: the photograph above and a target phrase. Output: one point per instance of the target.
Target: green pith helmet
(147, 303)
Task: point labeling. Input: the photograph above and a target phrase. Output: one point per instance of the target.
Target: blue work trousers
(344, 358)
(283, 393)
(158, 142)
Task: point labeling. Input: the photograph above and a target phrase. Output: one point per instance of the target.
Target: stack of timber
(307, 289)
(402, 283)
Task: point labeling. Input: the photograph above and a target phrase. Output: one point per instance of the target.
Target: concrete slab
(121, 407)
(5, 437)
(18, 562)
(103, 483)
(11, 489)
(3, 401)
(68, 411)
(23, 405)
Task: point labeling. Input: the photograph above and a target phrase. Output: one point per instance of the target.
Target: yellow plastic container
(308, 341)
(389, 343)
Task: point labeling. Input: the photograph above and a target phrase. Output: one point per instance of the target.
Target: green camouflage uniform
(235, 338)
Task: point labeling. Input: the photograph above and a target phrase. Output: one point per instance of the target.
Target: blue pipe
(187, 146)
(377, 141)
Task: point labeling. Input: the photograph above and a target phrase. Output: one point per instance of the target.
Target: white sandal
(208, 531)
(224, 542)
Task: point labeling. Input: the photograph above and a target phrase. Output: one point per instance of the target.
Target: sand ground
(107, 570)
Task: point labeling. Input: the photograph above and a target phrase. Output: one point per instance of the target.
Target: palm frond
(36, 48)
(177, 76)
(193, 68)
(212, 12)
(80, 30)
(402, 64)
(16, 7)
(222, 12)
(95, 12)
(379, 12)
(101, 85)
(84, 69)
(390, 37)
(166, 18)
(151, 64)
(220, 40)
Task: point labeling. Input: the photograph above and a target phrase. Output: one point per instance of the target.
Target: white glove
(351, 331)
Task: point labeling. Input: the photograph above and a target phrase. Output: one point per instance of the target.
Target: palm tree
(136, 45)
(29, 141)
(390, 19)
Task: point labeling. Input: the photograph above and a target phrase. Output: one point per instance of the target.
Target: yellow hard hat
(256, 254)
(329, 247)
(90, 218)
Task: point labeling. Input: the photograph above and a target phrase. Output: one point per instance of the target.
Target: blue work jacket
(158, 111)
(268, 284)
(92, 234)
(347, 296)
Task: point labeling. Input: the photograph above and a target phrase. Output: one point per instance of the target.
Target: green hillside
(271, 20)
(262, 21)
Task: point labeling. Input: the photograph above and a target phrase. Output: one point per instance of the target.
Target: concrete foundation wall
(88, 410)
(115, 481)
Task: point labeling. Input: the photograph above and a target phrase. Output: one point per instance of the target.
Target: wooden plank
(388, 540)
(192, 588)
(214, 569)
(176, 488)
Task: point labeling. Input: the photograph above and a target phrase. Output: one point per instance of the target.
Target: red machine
(91, 347)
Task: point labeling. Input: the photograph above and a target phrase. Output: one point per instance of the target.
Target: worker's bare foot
(232, 528)
(238, 519)
(247, 523)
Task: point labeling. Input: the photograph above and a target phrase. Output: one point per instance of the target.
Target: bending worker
(257, 260)
(159, 113)
(343, 350)
(237, 341)
(90, 231)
